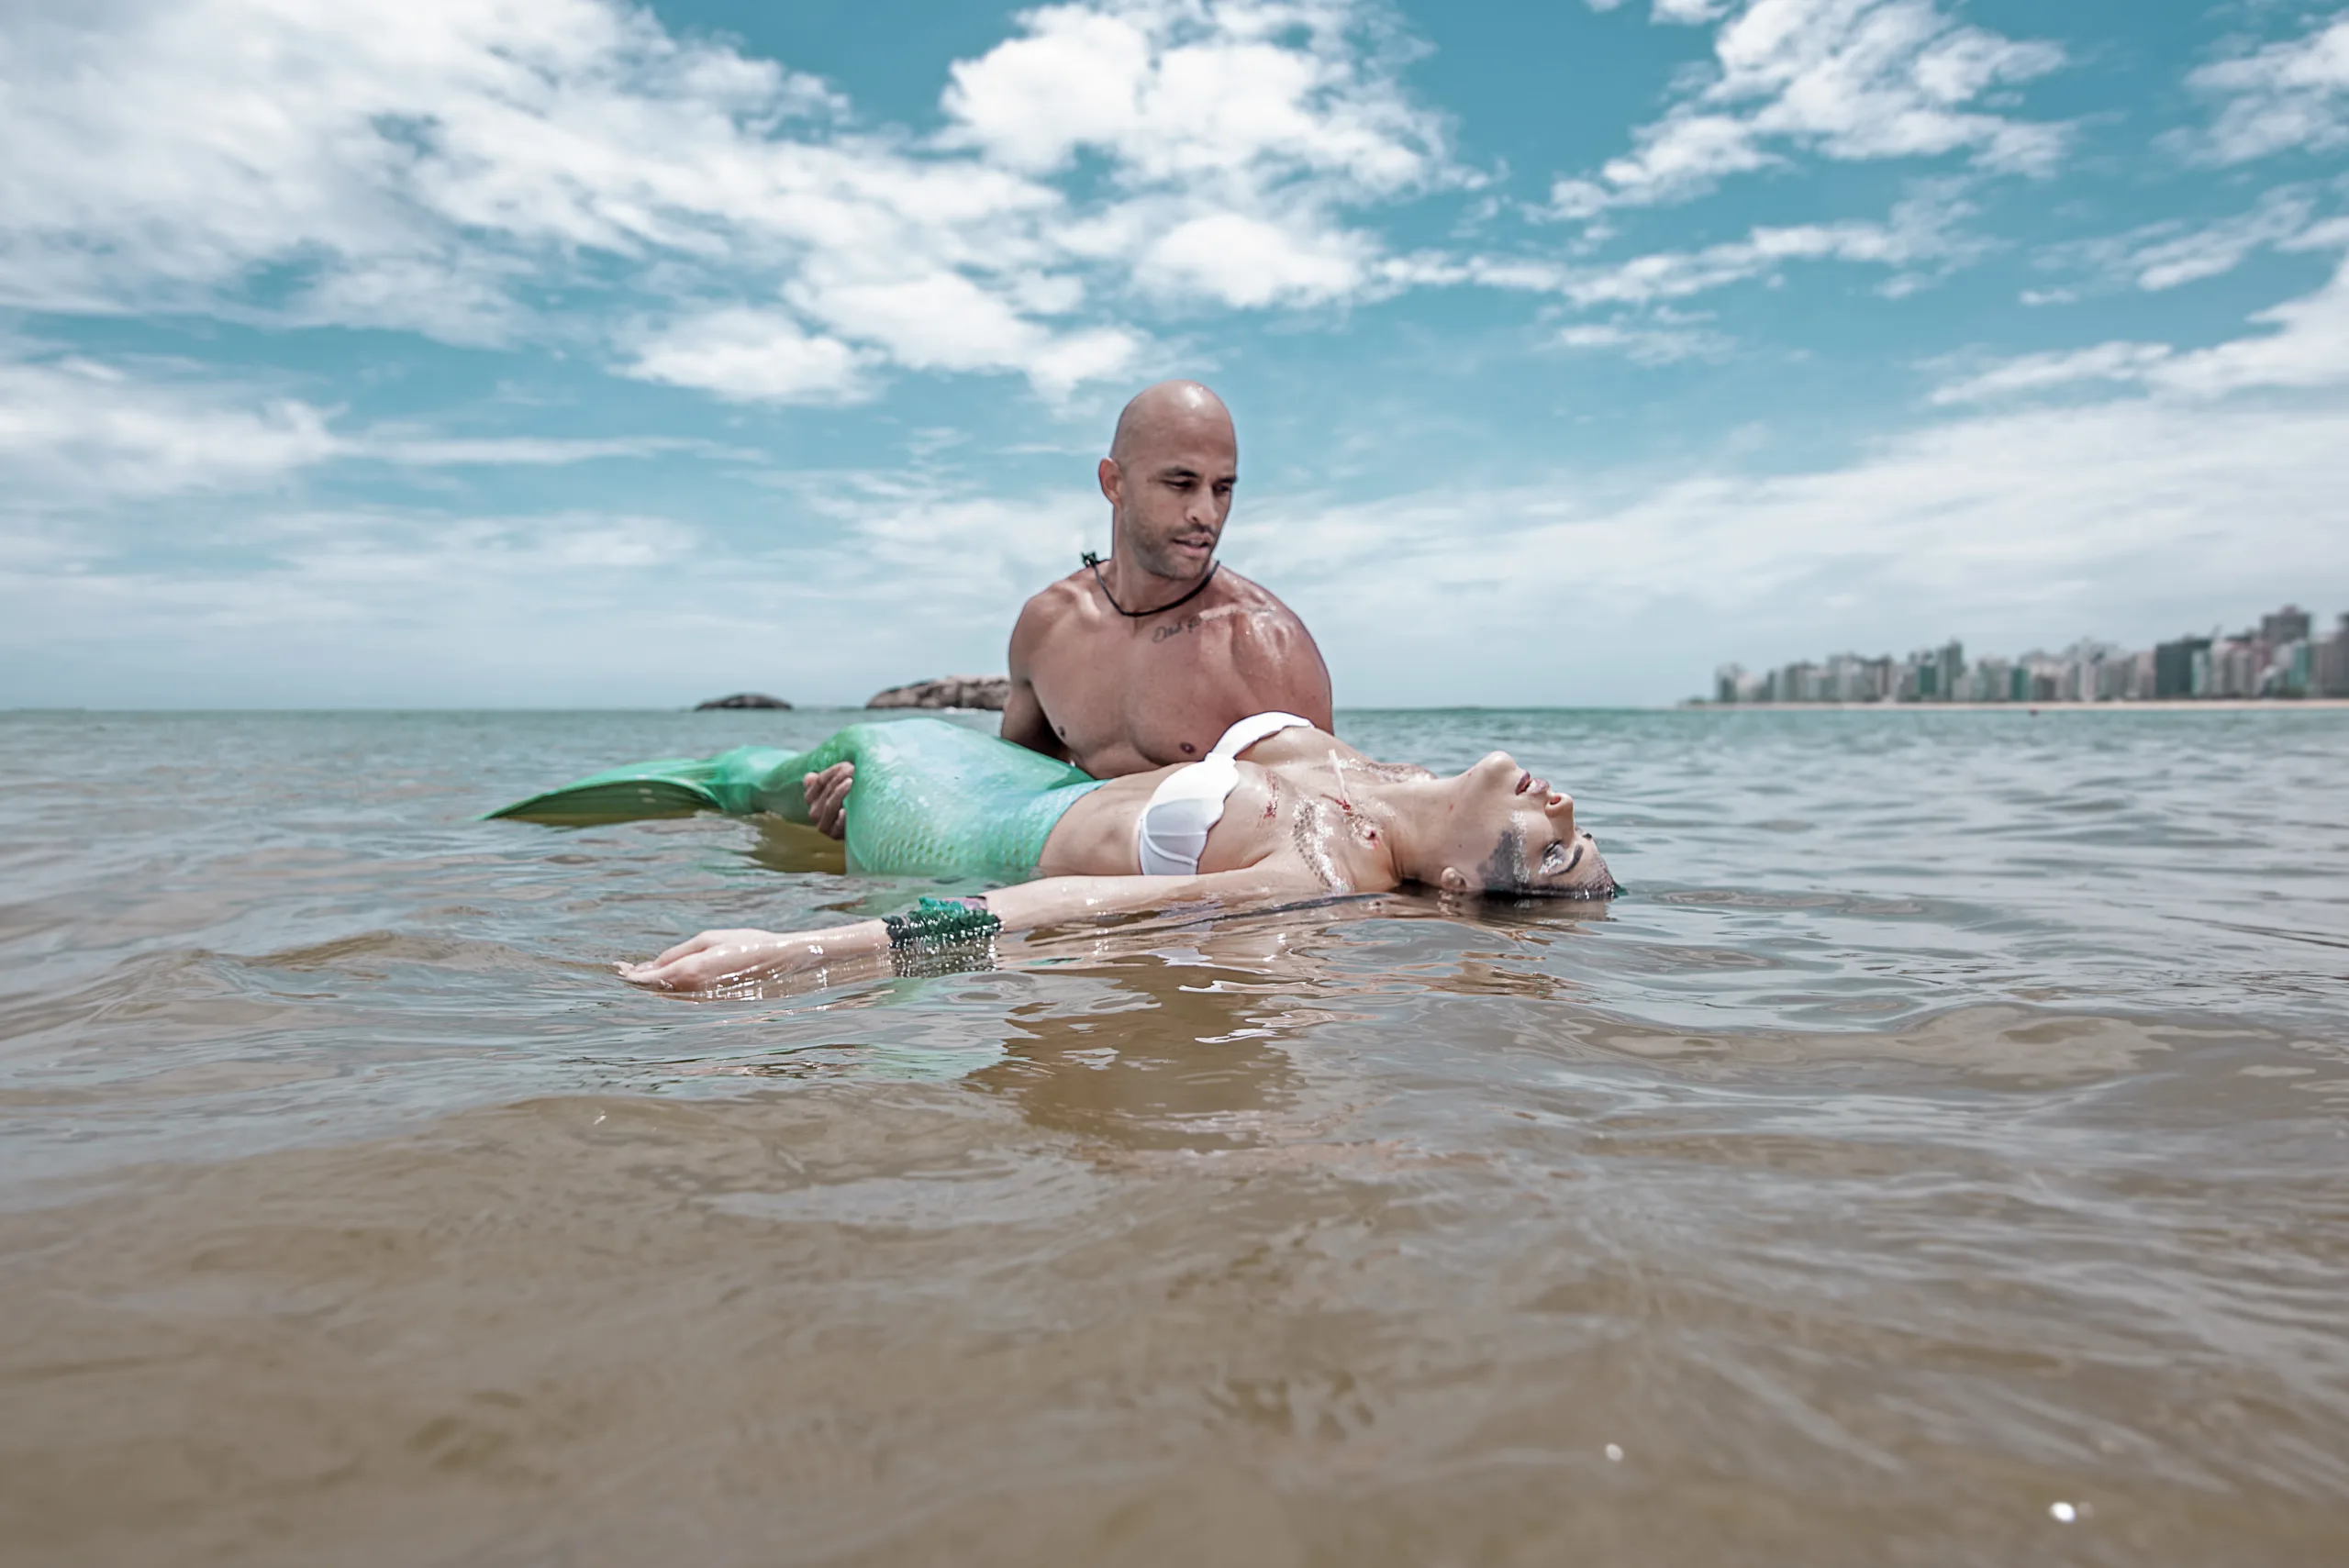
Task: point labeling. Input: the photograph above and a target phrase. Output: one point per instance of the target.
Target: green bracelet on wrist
(936, 923)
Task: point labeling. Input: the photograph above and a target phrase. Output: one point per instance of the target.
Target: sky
(563, 352)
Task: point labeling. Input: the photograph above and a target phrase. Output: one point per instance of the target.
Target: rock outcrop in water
(948, 691)
(741, 699)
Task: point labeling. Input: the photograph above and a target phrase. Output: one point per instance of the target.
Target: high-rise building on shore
(2282, 659)
(2331, 665)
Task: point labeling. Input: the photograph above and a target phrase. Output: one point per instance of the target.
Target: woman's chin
(1592, 880)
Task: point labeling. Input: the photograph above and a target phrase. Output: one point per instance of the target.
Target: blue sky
(561, 352)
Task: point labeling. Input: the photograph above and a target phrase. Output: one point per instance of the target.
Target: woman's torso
(1290, 801)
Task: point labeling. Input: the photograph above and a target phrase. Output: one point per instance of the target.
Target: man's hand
(828, 798)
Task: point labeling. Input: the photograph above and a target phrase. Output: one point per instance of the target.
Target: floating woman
(1277, 810)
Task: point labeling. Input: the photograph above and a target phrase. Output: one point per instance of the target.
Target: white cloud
(1849, 79)
(449, 167)
(2304, 345)
(1234, 135)
(2169, 254)
(1176, 92)
(2293, 95)
(2112, 363)
(1920, 239)
(1688, 13)
(379, 607)
(76, 431)
(73, 427)
(2209, 253)
(926, 319)
(1921, 233)
(384, 605)
(158, 151)
(1251, 263)
(1644, 342)
(2308, 348)
(756, 355)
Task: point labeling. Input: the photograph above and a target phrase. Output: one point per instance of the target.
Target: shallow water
(1952, 1123)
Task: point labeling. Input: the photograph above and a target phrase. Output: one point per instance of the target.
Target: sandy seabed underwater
(1941, 1157)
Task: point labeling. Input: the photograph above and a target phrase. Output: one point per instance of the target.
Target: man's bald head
(1170, 411)
(1168, 478)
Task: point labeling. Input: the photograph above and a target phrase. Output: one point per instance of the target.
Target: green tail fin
(747, 778)
(624, 795)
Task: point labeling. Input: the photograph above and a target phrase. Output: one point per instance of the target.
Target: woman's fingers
(693, 945)
(704, 961)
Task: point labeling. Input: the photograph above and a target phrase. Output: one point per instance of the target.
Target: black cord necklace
(1094, 561)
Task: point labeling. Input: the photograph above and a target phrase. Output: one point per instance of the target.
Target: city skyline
(2282, 658)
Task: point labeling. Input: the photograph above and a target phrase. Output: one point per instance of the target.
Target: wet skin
(1309, 815)
(1118, 694)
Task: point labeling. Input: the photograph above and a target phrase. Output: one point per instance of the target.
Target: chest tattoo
(1176, 628)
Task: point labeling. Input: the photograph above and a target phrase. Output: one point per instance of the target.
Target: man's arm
(1025, 722)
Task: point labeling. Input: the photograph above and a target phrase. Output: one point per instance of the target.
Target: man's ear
(1452, 881)
(1113, 479)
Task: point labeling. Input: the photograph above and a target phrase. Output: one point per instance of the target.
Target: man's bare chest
(1142, 697)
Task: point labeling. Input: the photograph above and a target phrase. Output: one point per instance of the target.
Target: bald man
(1146, 657)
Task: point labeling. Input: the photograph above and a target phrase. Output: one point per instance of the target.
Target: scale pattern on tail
(931, 798)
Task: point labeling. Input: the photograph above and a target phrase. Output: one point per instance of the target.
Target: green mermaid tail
(931, 798)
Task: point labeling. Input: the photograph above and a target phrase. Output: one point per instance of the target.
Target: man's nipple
(1188, 748)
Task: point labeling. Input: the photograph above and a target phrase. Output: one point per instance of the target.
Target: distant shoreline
(2167, 705)
(2213, 704)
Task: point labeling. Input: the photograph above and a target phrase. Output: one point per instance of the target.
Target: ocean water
(1941, 1155)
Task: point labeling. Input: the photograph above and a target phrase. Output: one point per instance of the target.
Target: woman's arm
(731, 957)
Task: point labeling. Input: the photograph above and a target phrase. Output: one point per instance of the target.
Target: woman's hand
(718, 958)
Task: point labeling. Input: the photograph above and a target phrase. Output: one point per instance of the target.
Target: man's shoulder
(1269, 651)
(1055, 602)
(1260, 612)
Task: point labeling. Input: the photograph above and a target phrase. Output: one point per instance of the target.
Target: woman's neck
(1400, 801)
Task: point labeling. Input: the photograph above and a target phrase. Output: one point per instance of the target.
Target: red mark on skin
(1356, 824)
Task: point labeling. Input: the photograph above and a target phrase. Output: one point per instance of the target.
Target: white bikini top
(1171, 834)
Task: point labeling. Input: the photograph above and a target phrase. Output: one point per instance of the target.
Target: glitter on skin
(1311, 833)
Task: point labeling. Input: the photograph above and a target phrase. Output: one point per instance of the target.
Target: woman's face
(1510, 833)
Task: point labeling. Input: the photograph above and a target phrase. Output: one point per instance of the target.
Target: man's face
(1172, 493)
